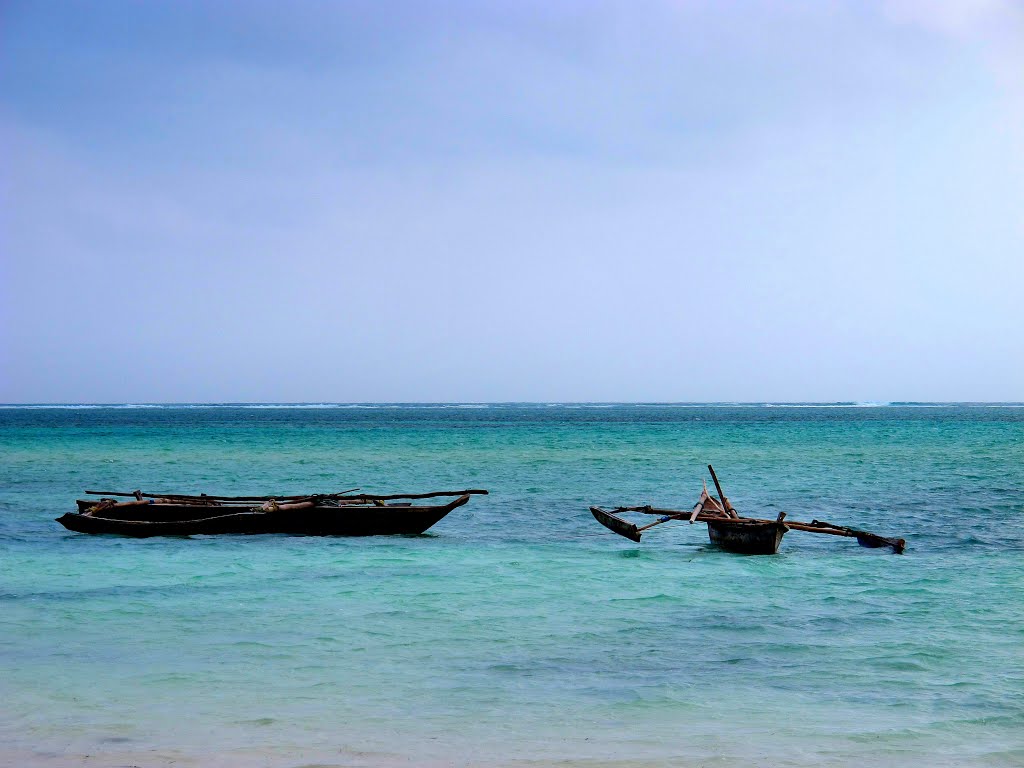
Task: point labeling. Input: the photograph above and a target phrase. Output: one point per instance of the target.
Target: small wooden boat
(747, 537)
(726, 529)
(314, 515)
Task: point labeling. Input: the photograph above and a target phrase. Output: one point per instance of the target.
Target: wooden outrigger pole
(341, 495)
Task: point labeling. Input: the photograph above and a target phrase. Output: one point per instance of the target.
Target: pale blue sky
(484, 201)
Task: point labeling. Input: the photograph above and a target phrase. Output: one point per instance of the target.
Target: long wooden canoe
(146, 518)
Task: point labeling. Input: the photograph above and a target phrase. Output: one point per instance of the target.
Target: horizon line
(546, 403)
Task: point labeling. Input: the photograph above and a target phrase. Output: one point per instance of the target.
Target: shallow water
(518, 630)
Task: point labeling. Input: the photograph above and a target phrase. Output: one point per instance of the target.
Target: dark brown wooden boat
(728, 530)
(747, 537)
(317, 515)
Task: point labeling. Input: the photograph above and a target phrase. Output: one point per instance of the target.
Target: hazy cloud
(506, 201)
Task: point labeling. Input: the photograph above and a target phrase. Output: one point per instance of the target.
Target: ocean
(518, 631)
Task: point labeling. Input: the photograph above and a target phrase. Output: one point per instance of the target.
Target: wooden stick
(692, 514)
(715, 514)
(725, 502)
(674, 514)
(817, 529)
(865, 538)
(716, 509)
(303, 497)
(697, 508)
(205, 497)
(282, 497)
(417, 495)
(659, 521)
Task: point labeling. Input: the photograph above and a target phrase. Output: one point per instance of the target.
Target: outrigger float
(730, 531)
(331, 514)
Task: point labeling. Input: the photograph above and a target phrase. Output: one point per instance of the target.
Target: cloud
(239, 223)
(996, 27)
(962, 18)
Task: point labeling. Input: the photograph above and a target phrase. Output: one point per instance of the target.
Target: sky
(511, 201)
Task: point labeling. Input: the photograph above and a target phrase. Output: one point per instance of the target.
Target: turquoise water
(518, 631)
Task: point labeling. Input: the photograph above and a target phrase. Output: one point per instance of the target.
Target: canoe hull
(747, 538)
(616, 523)
(314, 521)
